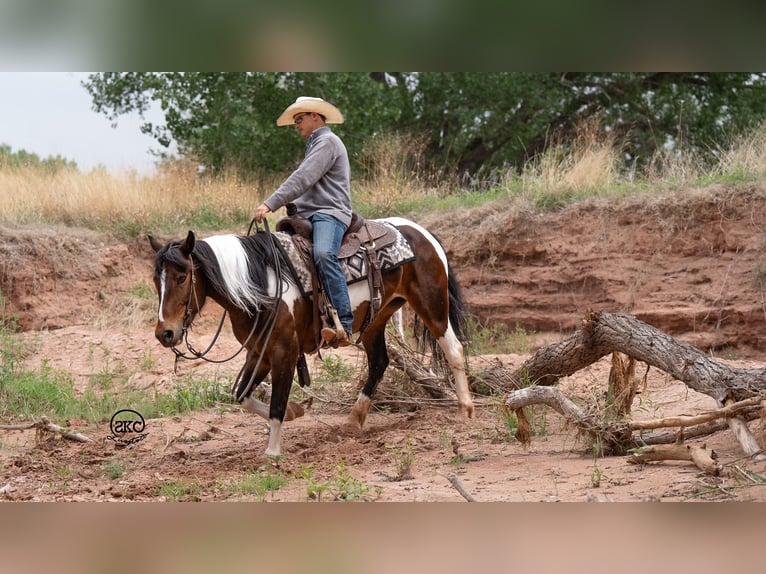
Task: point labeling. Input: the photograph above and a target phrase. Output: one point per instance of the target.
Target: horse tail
(457, 309)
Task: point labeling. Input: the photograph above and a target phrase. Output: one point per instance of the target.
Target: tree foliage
(18, 159)
(472, 122)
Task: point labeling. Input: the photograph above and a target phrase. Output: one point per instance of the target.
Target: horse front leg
(374, 341)
(245, 396)
(280, 408)
(253, 405)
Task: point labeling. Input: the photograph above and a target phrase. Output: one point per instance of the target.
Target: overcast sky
(49, 113)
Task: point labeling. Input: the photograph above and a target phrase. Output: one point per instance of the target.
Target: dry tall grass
(99, 199)
(746, 154)
(394, 171)
(587, 166)
(591, 165)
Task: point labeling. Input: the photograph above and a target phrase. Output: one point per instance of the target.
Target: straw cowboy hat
(306, 104)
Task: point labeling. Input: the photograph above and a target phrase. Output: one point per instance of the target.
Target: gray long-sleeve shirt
(321, 183)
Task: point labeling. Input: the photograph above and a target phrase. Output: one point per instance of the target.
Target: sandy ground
(427, 454)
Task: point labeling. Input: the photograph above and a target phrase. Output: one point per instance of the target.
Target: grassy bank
(178, 198)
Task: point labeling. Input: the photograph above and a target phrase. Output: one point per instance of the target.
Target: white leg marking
(255, 406)
(453, 350)
(275, 438)
(163, 278)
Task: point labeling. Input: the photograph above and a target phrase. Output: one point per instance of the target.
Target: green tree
(226, 120)
(472, 122)
(10, 159)
(482, 121)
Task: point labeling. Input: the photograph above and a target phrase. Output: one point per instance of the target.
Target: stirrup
(335, 339)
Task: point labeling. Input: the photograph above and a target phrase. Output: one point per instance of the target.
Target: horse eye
(181, 279)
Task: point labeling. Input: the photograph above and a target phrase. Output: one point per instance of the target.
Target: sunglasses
(298, 119)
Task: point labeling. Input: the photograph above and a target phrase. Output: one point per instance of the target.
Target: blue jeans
(328, 234)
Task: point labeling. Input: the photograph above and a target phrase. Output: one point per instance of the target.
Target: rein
(268, 329)
(271, 321)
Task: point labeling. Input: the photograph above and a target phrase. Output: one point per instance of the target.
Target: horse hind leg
(374, 341)
(453, 352)
(253, 405)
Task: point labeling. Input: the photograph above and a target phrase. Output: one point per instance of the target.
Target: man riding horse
(320, 190)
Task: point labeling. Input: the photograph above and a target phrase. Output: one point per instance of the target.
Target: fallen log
(698, 454)
(729, 410)
(738, 391)
(417, 373)
(603, 333)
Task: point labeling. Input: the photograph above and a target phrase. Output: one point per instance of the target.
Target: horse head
(175, 281)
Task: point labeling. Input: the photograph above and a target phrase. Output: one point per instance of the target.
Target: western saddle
(362, 236)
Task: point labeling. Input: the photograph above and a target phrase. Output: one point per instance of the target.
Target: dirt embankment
(689, 263)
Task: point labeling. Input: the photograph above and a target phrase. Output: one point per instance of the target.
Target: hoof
(467, 411)
(358, 414)
(351, 427)
(294, 410)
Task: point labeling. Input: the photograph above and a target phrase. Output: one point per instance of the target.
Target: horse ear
(188, 245)
(156, 245)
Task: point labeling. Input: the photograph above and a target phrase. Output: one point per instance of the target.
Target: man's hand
(261, 212)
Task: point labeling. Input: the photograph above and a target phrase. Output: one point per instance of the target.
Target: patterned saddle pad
(355, 266)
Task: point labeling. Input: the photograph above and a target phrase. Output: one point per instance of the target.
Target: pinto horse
(249, 278)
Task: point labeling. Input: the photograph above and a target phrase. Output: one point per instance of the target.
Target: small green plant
(505, 429)
(510, 420)
(142, 291)
(344, 487)
(595, 475)
(497, 338)
(403, 457)
(335, 369)
(314, 489)
(114, 468)
(259, 482)
(30, 394)
(647, 404)
(458, 460)
(148, 362)
(103, 379)
(538, 420)
(178, 490)
(64, 472)
(192, 395)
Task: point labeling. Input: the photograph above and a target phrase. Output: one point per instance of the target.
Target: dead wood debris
(698, 454)
(739, 392)
(44, 425)
(459, 487)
